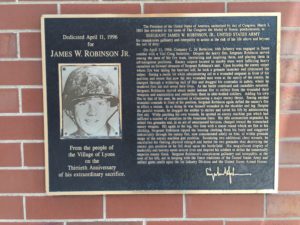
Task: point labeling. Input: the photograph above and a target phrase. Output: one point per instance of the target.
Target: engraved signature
(227, 171)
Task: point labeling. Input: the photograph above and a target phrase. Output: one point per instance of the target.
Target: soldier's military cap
(88, 81)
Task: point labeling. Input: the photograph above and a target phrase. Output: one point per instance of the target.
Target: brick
(289, 179)
(290, 98)
(32, 100)
(289, 10)
(290, 70)
(8, 45)
(64, 207)
(283, 205)
(290, 44)
(34, 154)
(225, 206)
(30, 45)
(10, 155)
(144, 206)
(21, 73)
(264, 222)
(11, 208)
(100, 8)
(289, 125)
(23, 127)
(185, 223)
(9, 101)
(289, 152)
(25, 16)
(105, 223)
(183, 7)
(22, 181)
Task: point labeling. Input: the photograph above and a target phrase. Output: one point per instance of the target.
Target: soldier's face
(91, 115)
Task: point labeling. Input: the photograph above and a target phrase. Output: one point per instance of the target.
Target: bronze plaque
(161, 103)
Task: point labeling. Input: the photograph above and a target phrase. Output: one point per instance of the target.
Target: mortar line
(290, 56)
(19, 141)
(184, 205)
(19, 31)
(142, 8)
(265, 205)
(290, 84)
(22, 155)
(283, 112)
(291, 166)
(23, 168)
(154, 219)
(290, 139)
(289, 192)
(21, 86)
(182, 219)
(64, 221)
(253, 219)
(23, 194)
(20, 59)
(18, 45)
(24, 208)
(58, 8)
(290, 28)
(42, 194)
(20, 99)
(132, 1)
(29, 2)
(21, 114)
(104, 206)
(226, 7)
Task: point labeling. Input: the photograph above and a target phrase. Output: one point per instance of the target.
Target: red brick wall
(22, 191)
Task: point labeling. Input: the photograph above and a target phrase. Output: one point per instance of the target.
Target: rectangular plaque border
(91, 64)
(277, 110)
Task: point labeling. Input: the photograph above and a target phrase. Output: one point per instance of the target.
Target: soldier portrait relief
(90, 101)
